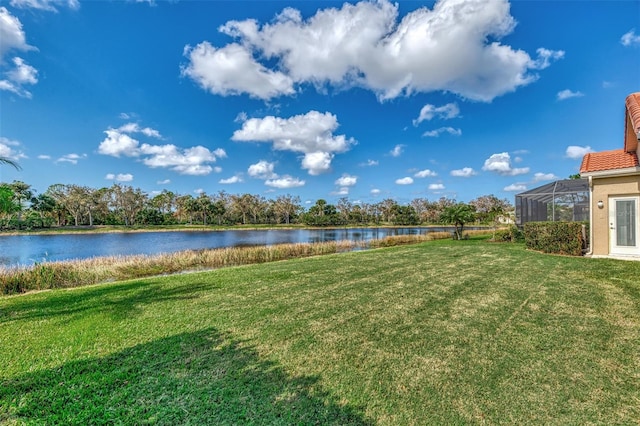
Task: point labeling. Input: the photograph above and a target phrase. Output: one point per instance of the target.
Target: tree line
(21, 207)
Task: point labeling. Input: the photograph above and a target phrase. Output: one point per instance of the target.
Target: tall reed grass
(75, 273)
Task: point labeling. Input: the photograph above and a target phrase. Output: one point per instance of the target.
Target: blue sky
(368, 100)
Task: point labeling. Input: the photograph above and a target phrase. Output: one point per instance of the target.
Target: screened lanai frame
(562, 200)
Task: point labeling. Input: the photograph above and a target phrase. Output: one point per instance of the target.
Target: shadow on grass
(193, 378)
(121, 300)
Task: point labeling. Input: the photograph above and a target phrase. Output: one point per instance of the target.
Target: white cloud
(232, 70)
(346, 180)
(397, 151)
(515, 187)
(231, 180)
(71, 158)
(44, 157)
(20, 75)
(262, 170)
(11, 34)
(341, 192)
(453, 47)
(445, 112)
(370, 163)
(48, 5)
(425, 173)
(285, 182)
(375, 191)
(404, 181)
(441, 130)
(463, 172)
(501, 164)
(164, 182)
(117, 144)
(577, 152)
(545, 56)
(541, 177)
(436, 187)
(135, 128)
(568, 94)
(7, 151)
(311, 134)
(630, 38)
(189, 161)
(120, 177)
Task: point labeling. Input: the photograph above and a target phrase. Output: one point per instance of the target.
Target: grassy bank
(76, 273)
(443, 332)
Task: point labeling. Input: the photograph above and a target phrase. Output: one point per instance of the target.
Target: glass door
(623, 225)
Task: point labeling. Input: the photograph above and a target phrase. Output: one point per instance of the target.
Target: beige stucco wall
(603, 188)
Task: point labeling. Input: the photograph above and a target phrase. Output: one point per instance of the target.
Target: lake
(29, 249)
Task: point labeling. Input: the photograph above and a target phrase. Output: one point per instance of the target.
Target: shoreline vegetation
(76, 273)
(99, 229)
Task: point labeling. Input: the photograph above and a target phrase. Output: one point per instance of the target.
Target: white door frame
(624, 225)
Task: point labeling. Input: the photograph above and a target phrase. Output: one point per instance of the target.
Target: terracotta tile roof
(608, 160)
(632, 122)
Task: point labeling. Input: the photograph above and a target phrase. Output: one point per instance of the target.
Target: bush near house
(512, 234)
(555, 237)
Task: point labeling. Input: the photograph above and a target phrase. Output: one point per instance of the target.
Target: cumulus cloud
(425, 173)
(193, 161)
(541, 177)
(120, 177)
(164, 182)
(445, 112)
(232, 70)
(47, 5)
(501, 164)
(436, 187)
(404, 181)
(568, 94)
(463, 172)
(11, 33)
(285, 182)
(231, 180)
(17, 77)
(453, 47)
(8, 149)
(577, 152)
(397, 151)
(262, 170)
(44, 157)
(630, 38)
(515, 187)
(20, 73)
(310, 134)
(375, 191)
(71, 158)
(370, 163)
(346, 180)
(441, 130)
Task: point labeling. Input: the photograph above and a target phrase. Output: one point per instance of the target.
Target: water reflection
(29, 249)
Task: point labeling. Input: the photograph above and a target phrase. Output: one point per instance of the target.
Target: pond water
(29, 249)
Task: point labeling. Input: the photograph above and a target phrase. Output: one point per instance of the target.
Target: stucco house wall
(603, 190)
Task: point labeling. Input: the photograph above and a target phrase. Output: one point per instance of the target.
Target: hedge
(555, 237)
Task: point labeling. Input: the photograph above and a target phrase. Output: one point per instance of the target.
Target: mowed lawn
(443, 332)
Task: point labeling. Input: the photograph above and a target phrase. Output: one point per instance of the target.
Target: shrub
(555, 237)
(510, 235)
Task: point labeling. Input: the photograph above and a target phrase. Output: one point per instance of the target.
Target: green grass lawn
(444, 332)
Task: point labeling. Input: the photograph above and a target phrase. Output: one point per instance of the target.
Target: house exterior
(614, 186)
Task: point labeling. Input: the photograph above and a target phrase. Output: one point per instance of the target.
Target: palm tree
(5, 160)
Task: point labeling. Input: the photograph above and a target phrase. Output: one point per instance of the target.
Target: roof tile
(608, 160)
(632, 122)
